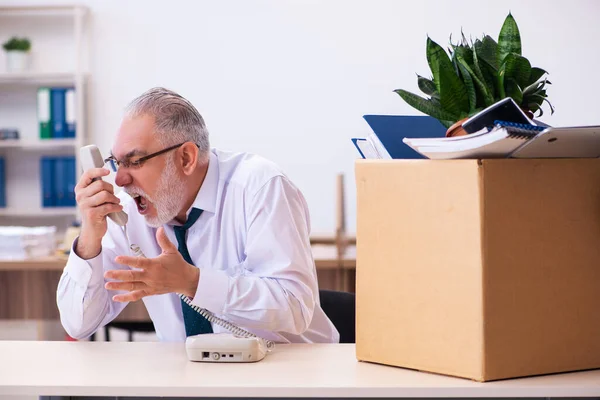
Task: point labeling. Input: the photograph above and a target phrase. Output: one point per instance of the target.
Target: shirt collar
(206, 199)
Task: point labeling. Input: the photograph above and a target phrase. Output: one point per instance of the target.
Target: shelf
(38, 212)
(38, 144)
(41, 11)
(37, 78)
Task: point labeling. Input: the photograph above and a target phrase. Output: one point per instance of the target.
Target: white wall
(290, 80)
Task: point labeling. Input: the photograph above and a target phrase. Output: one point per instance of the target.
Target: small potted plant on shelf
(477, 75)
(17, 54)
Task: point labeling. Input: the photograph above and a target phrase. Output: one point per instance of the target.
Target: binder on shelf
(58, 112)
(2, 184)
(43, 113)
(71, 181)
(47, 184)
(70, 112)
(60, 182)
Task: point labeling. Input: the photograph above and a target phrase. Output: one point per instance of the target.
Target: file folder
(391, 129)
(46, 175)
(57, 105)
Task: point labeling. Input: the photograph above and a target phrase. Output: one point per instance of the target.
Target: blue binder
(46, 175)
(2, 184)
(58, 113)
(70, 181)
(391, 129)
(60, 182)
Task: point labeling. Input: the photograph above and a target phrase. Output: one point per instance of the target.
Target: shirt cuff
(213, 287)
(85, 272)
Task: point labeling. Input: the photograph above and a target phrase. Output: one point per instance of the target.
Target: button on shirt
(251, 244)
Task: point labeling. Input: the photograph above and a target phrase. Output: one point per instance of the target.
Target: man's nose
(122, 178)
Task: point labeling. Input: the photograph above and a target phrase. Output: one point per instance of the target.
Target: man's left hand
(167, 273)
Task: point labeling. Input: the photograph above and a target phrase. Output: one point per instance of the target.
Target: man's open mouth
(141, 201)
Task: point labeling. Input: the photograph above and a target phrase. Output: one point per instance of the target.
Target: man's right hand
(96, 199)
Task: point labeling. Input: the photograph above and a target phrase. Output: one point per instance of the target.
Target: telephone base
(224, 347)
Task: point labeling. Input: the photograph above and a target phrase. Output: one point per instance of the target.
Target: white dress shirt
(251, 244)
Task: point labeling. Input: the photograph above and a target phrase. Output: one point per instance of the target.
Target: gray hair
(176, 119)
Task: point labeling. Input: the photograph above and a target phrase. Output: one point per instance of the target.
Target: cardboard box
(483, 269)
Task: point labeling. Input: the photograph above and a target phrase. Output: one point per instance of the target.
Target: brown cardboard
(479, 269)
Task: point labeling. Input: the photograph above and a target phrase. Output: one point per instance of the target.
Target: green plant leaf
(487, 50)
(513, 90)
(453, 94)
(427, 86)
(533, 88)
(426, 106)
(485, 72)
(488, 100)
(509, 39)
(469, 85)
(517, 68)
(436, 58)
(536, 74)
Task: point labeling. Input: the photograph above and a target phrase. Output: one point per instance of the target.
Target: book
(509, 139)
(503, 110)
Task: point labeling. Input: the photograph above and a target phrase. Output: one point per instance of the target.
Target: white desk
(162, 369)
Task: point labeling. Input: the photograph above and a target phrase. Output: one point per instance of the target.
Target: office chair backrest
(340, 308)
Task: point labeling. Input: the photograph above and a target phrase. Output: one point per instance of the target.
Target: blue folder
(58, 110)
(47, 176)
(391, 129)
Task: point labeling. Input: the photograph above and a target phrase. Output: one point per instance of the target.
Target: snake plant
(476, 75)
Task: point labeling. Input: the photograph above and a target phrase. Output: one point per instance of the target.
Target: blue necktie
(195, 323)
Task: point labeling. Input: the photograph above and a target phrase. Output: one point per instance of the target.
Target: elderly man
(229, 230)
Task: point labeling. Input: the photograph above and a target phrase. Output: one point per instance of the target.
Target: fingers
(163, 241)
(131, 296)
(97, 193)
(127, 286)
(88, 177)
(135, 262)
(125, 275)
(99, 213)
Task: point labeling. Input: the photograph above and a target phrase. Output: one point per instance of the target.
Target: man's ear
(189, 157)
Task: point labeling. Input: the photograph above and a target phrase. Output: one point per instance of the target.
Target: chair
(340, 308)
(130, 326)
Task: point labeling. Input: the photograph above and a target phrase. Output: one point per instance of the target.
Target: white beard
(169, 199)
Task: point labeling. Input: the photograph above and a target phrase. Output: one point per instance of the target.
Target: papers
(20, 243)
(513, 140)
(498, 143)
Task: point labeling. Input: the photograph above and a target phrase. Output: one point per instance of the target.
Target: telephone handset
(238, 346)
(91, 158)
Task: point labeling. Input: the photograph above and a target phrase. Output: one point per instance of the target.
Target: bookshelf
(37, 78)
(59, 44)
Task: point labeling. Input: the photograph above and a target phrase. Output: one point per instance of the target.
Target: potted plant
(17, 53)
(476, 75)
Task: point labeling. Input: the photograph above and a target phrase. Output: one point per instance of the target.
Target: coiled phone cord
(236, 330)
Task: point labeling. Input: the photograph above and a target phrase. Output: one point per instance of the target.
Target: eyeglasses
(137, 163)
